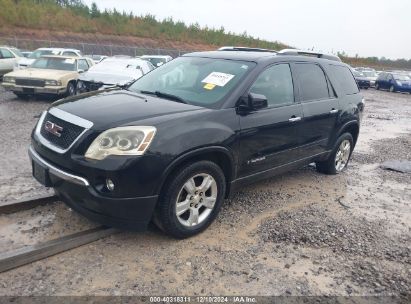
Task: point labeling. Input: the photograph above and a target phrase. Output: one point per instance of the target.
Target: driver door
(269, 137)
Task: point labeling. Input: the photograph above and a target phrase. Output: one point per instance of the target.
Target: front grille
(30, 82)
(69, 132)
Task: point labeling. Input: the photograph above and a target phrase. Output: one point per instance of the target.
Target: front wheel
(339, 157)
(71, 89)
(377, 86)
(191, 200)
(392, 89)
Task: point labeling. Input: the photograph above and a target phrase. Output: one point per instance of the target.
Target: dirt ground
(300, 233)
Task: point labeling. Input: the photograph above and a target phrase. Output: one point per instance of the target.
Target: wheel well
(219, 158)
(354, 130)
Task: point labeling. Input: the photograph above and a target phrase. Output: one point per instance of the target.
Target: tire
(180, 188)
(377, 86)
(71, 89)
(392, 89)
(331, 165)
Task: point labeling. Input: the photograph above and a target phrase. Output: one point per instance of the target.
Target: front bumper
(128, 213)
(55, 90)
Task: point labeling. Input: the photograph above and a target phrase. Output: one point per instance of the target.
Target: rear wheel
(191, 200)
(377, 86)
(339, 157)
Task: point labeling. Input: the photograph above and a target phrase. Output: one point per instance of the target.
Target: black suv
(179, 140)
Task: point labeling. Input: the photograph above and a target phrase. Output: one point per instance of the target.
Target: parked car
(371, 75)
(393, 82)
(8, 58)
(26, 54)
(157, 60)
(362, 81)
(96, 58)
(113, 72)
(55, 75)
(185, 136)
(25, 62)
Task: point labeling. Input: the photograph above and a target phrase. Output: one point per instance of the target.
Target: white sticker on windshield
(55, 52)
(69, 60)
(218, 79)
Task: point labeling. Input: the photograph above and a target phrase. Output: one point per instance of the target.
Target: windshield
(199, 81)
(39, 53)
(369, 73)
(401, 77)
(65, 64)
(17, 52)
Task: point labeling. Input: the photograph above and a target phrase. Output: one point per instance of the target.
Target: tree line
(76, 16)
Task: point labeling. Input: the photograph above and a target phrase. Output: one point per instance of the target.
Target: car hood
(112, 108)
(25, 61)
(41, 73)
(110, 78)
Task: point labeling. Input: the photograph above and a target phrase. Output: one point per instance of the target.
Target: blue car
(393, 82)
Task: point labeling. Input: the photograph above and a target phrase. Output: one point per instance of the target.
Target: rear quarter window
(345, 79)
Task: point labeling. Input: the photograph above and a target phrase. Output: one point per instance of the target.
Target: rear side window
(345, 79)
(276, 84)
(312, 82)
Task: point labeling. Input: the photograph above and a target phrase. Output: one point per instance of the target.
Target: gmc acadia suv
(175, 143)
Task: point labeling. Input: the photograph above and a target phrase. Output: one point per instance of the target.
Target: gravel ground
(300, 233)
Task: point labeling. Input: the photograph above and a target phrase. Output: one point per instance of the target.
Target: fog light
(109, 184)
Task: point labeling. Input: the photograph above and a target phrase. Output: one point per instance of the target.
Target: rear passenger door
(269, 136)
(320, 108)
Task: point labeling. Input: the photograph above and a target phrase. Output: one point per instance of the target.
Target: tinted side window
(313, 85)
(345, 79)
(276, 84)
(6, 53)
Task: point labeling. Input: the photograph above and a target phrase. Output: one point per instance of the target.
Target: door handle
(294, 119)
(333, 111)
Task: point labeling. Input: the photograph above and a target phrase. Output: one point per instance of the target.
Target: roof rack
(244, 49)
(295, 52)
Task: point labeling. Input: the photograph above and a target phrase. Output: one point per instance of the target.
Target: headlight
(399, 83)
(52, 83)
(131, 140)
(9, 79)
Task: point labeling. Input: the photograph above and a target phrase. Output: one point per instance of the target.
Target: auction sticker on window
(69, 60)
(218, 79)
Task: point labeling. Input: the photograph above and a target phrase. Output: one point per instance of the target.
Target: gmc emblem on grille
(53, 128)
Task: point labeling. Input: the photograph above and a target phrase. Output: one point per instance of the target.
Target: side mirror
(257, 101)
(252, 102)
(81, 71)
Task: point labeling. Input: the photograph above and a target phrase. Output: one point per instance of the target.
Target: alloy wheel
(342, 155)
(196, 200)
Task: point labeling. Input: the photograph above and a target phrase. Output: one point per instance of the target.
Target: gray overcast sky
(367, 27)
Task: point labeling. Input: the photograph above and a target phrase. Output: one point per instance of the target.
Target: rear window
(345, 79)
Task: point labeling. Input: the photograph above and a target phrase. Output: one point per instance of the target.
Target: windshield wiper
(164, 95)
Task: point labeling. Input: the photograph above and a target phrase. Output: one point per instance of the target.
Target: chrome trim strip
(74, 119)
(64, 116)
(57, 172)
